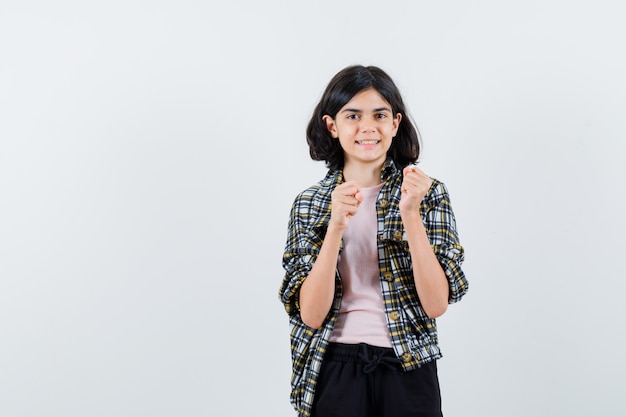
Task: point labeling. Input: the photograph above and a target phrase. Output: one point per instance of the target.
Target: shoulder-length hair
(405, 147)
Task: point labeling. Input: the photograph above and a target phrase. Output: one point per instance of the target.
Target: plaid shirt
(413, 334)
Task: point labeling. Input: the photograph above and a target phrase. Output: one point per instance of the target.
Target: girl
(372, 258)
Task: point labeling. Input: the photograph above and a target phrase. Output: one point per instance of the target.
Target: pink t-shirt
(361, 315)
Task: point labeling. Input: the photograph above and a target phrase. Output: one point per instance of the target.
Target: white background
(150, 152)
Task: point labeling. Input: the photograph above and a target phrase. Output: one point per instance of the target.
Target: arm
(318, 289)
(431, 282)
(308, 288)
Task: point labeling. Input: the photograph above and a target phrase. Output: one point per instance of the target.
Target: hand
(414, 187)
(346, 199)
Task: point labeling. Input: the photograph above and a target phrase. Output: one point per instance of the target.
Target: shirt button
(397, 234)
(388, 276)
(383, 202)
(406, 357)
(394, 315)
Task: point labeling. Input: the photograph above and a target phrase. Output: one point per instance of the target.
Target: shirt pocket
(397, 249)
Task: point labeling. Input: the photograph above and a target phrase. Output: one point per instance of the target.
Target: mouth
(368, 142)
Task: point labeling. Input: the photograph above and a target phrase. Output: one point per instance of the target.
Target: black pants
(368, 381)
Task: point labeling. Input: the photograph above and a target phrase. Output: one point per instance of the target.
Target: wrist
(410, 215)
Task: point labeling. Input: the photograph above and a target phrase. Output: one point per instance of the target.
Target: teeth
(368, 142)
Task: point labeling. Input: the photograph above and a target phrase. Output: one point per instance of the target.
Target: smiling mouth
(367, 142)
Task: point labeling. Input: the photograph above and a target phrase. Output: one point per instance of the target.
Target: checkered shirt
(413, 334)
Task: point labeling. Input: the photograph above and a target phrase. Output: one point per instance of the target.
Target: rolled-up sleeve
(442, 232)
(297, 268)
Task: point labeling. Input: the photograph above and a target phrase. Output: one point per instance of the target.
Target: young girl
(372, 258)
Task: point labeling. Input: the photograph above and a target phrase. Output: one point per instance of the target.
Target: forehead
(366, 100)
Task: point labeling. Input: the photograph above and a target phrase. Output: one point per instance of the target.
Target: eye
(381, 116)
(352, 116)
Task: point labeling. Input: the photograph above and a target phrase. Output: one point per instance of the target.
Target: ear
(330, 125)
(396, 123)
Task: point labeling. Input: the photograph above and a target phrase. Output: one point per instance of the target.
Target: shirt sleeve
(442, 232)
(301, 251)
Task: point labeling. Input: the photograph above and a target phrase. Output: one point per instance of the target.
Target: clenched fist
(415, 185)
(346, 199)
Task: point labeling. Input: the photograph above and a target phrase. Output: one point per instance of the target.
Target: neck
(364, 176)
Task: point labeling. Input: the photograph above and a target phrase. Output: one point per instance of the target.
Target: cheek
(347, 130)
(390, 131)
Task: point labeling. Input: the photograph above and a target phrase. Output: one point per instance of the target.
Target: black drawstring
(377, 358)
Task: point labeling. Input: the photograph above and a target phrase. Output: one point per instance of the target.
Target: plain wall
(150, 152)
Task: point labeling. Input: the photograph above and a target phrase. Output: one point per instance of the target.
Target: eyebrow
(376, 110)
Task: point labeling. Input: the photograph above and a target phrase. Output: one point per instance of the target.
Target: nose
(367, 125)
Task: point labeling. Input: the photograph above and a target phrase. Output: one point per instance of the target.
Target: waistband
(367, 355)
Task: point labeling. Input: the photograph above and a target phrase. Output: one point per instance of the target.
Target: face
(365, 127)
